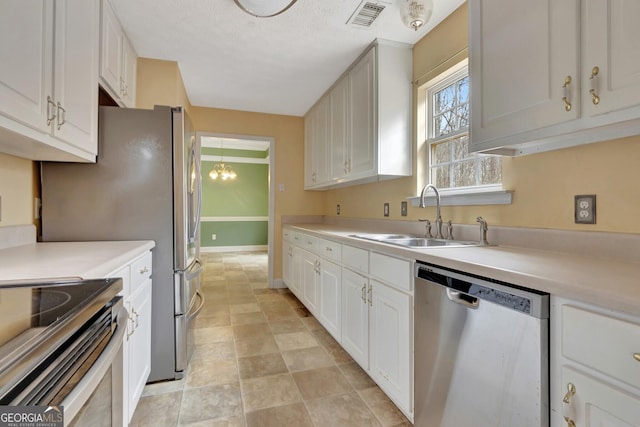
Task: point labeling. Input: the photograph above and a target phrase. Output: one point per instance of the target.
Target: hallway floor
(262, 360)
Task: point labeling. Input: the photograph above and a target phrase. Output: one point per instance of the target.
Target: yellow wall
(544, 184)
(160, 83)
(17, 190)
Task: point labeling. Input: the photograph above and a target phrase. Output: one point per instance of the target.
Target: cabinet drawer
(601, 342)
(296, 238)
(308, 242)
(140, 271)
(393, 271)
(329, 250)
(286, 236)
(355, 258)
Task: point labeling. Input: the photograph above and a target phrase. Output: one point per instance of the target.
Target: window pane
(490, 170)
(444, 123)
(440, 177)
(444, 99)
(441, 153)
(461, 148)
(462, 115)
(463, 90)
(464, 174)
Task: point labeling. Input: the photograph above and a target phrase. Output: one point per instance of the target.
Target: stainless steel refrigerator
(145, 185)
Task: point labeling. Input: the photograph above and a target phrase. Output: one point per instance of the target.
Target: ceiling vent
(366, 13)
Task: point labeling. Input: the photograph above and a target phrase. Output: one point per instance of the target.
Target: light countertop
(607, 283)
(58, 260)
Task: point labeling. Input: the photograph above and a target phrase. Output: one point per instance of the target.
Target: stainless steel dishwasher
(481, 351)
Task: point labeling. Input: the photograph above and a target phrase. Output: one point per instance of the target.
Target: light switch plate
(585, 209)
(403, 208)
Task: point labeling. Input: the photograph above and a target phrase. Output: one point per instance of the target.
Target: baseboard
(278, 284)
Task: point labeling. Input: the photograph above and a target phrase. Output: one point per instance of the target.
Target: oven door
(96, 400)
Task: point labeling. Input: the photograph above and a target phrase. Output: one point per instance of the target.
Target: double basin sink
(411, 241)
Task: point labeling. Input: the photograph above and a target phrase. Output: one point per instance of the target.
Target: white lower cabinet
(136, 349)
(355, 316)
(330, 308)
(369, 311)
(390, 332)
(595, 366)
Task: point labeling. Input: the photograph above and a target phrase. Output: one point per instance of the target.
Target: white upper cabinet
(611, 46)
(48, 84)
(543, 79)
(365, 133)
(117, 59)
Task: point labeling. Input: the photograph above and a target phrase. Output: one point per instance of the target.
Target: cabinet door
(518, 65)
(297, 273)
(310, 273)
(391, 329)
(139, 344)
(596, 403)
(26, 55)
(287, 263)
(355, 317)
(76, 73)
(339, 145)
(611, 40)
(330, 297)
(319, 150)
(129, 67)
(309, 173)
(111, 44)
(362, 119)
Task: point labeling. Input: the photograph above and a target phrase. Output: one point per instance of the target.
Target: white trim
(279, 284)
(486, 197)
(247, 248)
(235, 143)
(227, 159)
(233, 218)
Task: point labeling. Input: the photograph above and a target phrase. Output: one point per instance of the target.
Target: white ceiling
(281, 65)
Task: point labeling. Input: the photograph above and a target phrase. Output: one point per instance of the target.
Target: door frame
(272, 186)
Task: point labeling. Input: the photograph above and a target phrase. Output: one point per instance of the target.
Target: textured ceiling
(280, 65)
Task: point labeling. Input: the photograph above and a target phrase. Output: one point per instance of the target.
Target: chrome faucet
(438, 217)
(483, 230)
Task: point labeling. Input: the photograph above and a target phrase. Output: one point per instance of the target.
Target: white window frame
(461, 196)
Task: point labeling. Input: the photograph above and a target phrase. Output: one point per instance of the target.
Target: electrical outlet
(386, 209)
(403, 208)
(337, 209)
(585, 209)
(214, 237)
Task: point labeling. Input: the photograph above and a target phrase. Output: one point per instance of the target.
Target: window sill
(490, 196)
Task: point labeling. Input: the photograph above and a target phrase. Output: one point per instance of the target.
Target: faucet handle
(483, 230)
(449, 230)
(428, 227)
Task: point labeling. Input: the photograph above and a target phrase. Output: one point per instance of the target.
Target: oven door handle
(75, 400)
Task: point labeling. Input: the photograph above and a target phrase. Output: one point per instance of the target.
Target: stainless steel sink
(410, 241)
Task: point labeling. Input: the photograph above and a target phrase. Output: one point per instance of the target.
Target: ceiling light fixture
(416, 13)
(220, 170)
(264, 8)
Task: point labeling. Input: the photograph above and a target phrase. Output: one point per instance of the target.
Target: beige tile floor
(262, 359)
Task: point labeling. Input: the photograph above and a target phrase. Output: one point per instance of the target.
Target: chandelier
(264, 8)
(222, 171)
(416, 13)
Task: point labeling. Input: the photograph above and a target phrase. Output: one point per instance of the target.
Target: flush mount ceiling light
(264, 8)
(415, 13)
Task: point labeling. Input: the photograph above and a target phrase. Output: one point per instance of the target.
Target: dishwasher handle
(463, 299)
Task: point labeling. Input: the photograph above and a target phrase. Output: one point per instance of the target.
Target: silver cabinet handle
(329, 249)
(144, 270)
(63, 116)
(636, 356)
(50, 116)
(363, 293)
(370, 297)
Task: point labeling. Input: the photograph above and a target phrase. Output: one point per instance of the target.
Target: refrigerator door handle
(199, 188)
(197, 311)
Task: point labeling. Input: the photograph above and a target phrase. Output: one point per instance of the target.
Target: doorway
(238, 194)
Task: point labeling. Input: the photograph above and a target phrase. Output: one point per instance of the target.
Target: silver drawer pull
(144, 270)
(329, 249)
(636, 356)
